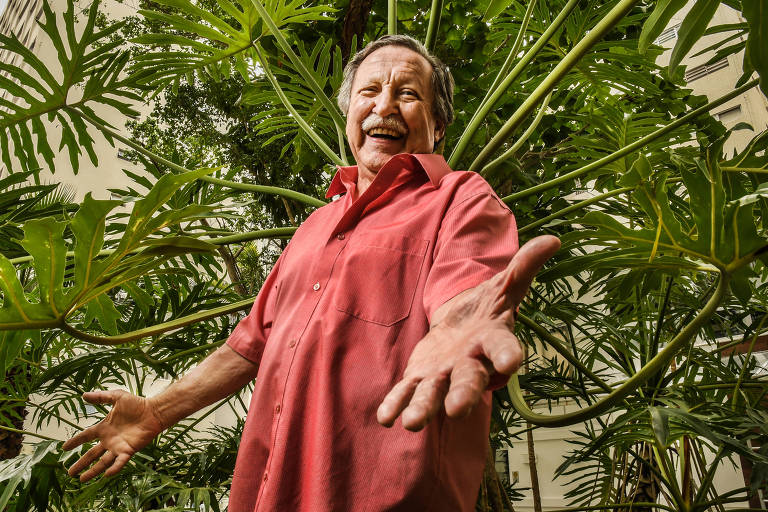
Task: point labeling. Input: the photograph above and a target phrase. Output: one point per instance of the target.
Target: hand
(470, 340)
(130, 426)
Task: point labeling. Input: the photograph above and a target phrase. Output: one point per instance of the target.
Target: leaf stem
(631, 148)
(574, 207)
(521, 140)
(392, 17)
(631, 384)
(221, 240)
(245, 187)
(27, 433)
(497, 90)
(573, 57)
(289, 106)
(434, 23)
(171, 325)
(562, 350)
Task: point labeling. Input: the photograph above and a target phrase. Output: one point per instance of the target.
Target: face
(390, 108)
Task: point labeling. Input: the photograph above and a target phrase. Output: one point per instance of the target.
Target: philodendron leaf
(11, 343)
(658, 21)
(756, 13)
(496, 7)
(102, 309)
(92, 276)
(19, 471)
(691, 30)
(88, 227)
(141, 224)
(707, 199)
(44, 241)
(660, 423)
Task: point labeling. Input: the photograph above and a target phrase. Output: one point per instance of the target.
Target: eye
(409, 93)
(368, 91)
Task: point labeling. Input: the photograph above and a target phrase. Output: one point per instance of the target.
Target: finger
(87, 459)
(503, 350)
(395, 401)
(104, 462)
(101, 397)
(426, 401)
(84, 436)
(469, 379)
(120, 461)
(525, 264)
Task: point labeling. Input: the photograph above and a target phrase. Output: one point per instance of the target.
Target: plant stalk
(392, 17)
(502, 87)
(626, 150)
(245, 187)
(521, 140)
(435, 12)
(319, 142)
(573, 57)
(164, 327)
(631, 384)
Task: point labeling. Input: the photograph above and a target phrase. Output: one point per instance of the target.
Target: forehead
(396, 62)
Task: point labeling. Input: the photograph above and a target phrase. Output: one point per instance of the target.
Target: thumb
(102, 397)
(524, 266)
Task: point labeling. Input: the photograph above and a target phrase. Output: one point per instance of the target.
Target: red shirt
(332, 329)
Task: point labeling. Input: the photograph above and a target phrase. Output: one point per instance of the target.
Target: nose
(386, 103)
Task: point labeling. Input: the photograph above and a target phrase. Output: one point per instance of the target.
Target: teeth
(383, 131)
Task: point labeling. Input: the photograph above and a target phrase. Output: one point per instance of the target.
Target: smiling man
(392, 306)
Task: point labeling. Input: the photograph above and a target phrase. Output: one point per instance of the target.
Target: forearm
(218, 376)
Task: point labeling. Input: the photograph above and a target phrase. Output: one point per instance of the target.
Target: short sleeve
(250, 335)
(477, 239)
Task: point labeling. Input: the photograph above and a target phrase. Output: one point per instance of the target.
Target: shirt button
(340, 236)
(292, 343)
(265, 477)
(277, 409)
(316, 287)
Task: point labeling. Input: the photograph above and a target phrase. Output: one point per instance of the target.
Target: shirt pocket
(378, 277)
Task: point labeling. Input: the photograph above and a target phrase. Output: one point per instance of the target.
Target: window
(701, 71)
(501, 463)
(667, 35)
(729, 116)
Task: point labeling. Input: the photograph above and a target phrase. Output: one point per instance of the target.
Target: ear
(439, 133)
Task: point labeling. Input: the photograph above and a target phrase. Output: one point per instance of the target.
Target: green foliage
(93, 63)
(138, 252)
(621, 329)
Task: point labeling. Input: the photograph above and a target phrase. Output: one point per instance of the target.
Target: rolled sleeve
(252, 332)
(477, 239)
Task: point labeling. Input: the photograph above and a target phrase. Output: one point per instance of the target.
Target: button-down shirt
(332, 330)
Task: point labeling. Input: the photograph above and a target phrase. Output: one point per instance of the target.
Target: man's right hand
(130, 426)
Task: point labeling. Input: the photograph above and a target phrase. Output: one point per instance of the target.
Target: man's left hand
(470, 340)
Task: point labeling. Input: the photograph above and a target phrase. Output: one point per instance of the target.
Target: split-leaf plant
(560, 106)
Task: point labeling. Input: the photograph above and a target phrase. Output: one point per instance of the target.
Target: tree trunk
(10, 442)
(647, 490)
(354, 25)
(492, 497)
(535, 488)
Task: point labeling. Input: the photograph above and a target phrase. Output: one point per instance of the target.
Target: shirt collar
(434, 165)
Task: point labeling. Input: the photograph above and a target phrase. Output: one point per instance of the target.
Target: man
(402, 277)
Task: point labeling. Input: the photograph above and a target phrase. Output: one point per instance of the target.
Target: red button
(340, 236)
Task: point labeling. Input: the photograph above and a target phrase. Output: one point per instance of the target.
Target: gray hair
(442, 81)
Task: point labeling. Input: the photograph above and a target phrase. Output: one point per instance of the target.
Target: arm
(134, 421)
(470, 342)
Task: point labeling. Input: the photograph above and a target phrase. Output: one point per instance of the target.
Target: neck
(364, 180)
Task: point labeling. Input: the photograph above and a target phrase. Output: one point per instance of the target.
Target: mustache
(392, 122)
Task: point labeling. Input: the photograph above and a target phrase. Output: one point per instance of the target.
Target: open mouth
(384, 133)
